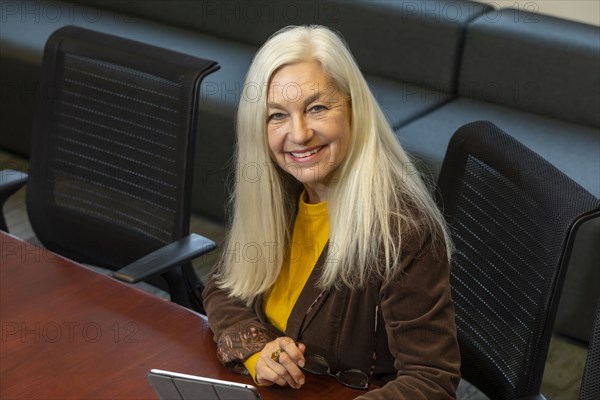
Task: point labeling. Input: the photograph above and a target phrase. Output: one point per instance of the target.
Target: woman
(336, 253)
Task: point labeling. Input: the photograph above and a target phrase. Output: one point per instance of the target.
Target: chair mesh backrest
(113, 143)
(511, 215)
(590, 384)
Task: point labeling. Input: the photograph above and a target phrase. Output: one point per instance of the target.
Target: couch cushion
(403, 102)
(24, 39)
(573, 148)
(414, 41)
(534, 63)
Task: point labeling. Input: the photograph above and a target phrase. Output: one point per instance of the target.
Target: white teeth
(305, 154)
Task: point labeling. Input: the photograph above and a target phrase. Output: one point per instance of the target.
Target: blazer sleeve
(237, 329)
(419, 320)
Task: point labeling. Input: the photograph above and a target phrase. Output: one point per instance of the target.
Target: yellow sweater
(311, 232)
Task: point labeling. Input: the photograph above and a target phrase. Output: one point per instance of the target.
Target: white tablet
(175, 386)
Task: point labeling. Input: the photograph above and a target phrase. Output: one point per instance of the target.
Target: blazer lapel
(302, 314)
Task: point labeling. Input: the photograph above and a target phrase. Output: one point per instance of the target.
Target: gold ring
(275, 355)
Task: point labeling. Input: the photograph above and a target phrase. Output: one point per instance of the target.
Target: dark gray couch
(433, 66)
(409, 50)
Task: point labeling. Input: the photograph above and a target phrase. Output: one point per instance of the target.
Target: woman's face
(308, 125)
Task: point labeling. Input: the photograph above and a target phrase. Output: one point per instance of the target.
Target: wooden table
(70, 333)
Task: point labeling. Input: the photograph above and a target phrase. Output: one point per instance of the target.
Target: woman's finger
(278, 363)
(295, 351)
(292, 370)
(273, 372)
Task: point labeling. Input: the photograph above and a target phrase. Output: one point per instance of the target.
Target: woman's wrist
(250, 364)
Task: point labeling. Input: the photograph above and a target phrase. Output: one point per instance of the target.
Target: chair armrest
(10, 182)
(165, 258)
(533, 397)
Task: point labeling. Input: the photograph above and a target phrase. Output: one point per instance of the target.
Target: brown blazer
(417, 355)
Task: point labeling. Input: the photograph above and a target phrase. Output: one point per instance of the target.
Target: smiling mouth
(306, 153)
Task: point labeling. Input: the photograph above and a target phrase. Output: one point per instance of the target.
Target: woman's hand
(286, 369)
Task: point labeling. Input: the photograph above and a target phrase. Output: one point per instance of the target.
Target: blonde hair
(376, 182)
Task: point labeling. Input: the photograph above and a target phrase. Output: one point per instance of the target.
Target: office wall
(587, 11)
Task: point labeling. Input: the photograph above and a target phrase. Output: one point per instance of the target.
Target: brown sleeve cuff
(236, 345)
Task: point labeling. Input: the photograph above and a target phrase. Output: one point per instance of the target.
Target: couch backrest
(417, 42)
(534, 63)
(412, 41)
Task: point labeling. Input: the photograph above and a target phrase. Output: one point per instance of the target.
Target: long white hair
(375, 196)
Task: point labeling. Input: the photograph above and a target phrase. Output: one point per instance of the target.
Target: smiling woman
(337, 252)
(308, 133)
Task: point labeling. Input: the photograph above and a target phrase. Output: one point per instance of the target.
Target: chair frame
(157, 254)
(590, 384)
(486, 142)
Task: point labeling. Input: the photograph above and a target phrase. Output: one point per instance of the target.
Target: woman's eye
(316, 109)
(276, 116)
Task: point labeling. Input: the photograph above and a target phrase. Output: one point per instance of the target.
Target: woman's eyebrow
(305, 102)
(273, 105)
(312, 98)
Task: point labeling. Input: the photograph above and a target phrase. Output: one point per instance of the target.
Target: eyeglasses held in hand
(352, 378)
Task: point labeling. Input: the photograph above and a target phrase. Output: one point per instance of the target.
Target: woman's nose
(300, 132)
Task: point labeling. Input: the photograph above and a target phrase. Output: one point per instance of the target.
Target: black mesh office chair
(513, 217)
(590, 384)
(110, 173)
